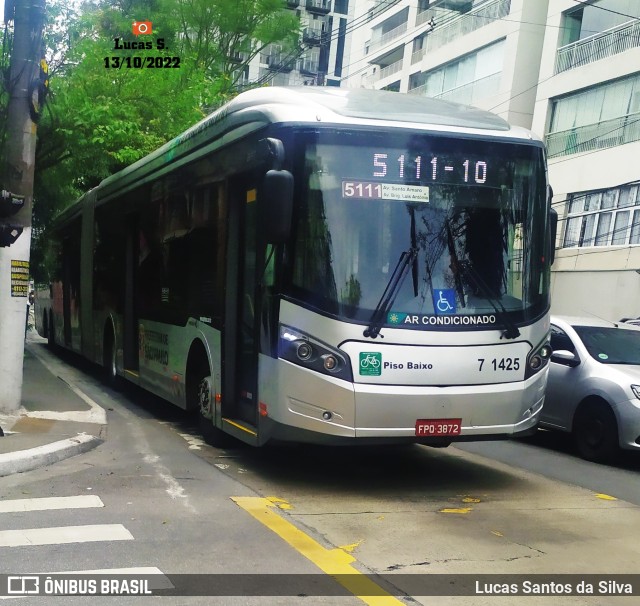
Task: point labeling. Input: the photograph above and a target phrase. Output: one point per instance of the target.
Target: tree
(100, 118)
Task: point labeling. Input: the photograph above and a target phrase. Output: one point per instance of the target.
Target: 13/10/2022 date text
(141, 62)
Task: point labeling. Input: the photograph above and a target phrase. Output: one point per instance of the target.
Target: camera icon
(141, 28)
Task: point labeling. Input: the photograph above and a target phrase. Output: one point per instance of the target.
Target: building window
(590, 19)
(603, 116)
(465, 80)
(608, 217)
(341, 6)
(596, 31)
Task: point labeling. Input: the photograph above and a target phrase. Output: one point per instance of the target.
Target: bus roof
(257, 108)
(302, 103)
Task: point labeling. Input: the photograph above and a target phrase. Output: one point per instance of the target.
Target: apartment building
(588, 107)
(567, 69)
(480, 52)
(319, 57)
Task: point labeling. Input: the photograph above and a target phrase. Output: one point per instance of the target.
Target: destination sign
(385, 191)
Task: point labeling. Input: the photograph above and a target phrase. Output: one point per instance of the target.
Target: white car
(593, 389)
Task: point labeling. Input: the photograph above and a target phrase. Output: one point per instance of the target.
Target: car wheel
(595, 432)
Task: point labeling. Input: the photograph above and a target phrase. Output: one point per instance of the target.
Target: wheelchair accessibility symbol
(444, 301)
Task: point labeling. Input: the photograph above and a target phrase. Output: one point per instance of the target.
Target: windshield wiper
(407, 258)
(511, 330)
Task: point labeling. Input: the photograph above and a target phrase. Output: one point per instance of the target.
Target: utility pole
(16, 195)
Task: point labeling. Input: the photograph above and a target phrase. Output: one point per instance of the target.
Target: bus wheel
(211, 434)
(109, 359)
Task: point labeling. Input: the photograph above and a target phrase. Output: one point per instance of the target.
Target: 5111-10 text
(141, 62)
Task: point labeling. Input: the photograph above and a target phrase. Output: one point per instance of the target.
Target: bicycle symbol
(442, 304)
(370, 360)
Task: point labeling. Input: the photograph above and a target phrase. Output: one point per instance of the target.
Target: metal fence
(605, 44)
(471, 21)
(608, 133)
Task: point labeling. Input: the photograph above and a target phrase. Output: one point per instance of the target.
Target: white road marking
(95, 414)
(195, 442)
(64, 534)
(43, 504)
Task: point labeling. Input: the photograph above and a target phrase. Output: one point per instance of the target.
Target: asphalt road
(551, 455)
(169, 502)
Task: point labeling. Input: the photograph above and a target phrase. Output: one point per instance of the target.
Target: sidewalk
(56, 420)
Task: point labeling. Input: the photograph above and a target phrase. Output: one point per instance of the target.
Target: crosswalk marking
(59, 535)
(46, 503)
(64, 534)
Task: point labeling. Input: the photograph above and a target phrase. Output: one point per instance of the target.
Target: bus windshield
(464, 219)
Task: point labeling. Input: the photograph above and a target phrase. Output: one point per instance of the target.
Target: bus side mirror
(276, 206)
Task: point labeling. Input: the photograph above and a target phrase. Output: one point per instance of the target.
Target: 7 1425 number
(499, 364)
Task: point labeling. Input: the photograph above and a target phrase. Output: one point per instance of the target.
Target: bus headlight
(330, 362)
(538, 359)
(304, 351)
(300, 348)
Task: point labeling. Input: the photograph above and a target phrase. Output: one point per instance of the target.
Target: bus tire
(110, 370)
(201, 396)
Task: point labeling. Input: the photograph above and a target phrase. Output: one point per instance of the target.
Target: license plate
(438, 427)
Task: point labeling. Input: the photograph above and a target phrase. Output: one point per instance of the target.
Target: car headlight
(299, 348)
(636, 391)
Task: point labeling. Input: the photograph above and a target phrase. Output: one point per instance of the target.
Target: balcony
(387, 71)
(467, 23)
(604, 44)
(280, 62)
(609, 133)
(467, 93)
(473, 91)
(319, 7)
(308, 66)
(380, 6)
(314, 35)
(237, 57)
(387, 37)
(417, 55)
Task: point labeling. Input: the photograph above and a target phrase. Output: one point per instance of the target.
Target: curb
(27, 460)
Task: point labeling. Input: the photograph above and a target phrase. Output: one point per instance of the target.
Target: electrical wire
(295, 54)
(602, 8)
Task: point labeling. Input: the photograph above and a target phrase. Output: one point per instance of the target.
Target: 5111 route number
(499, 364)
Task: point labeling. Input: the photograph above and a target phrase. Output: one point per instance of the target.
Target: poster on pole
(19, 278)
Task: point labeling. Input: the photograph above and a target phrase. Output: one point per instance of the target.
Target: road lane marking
(47, 503)
(64, 534)
(96, 414)
(605, 497)
(461, 510)
(330, 561)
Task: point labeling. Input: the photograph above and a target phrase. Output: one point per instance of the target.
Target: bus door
(240, 334)
(68, 260)
(71, 288)
(130, 320)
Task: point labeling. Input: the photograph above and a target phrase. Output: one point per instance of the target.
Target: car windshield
(611, 345)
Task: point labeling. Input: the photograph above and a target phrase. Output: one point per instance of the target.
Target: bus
(321, 265)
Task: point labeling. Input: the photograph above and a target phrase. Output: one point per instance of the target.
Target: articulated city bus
(321, 265)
